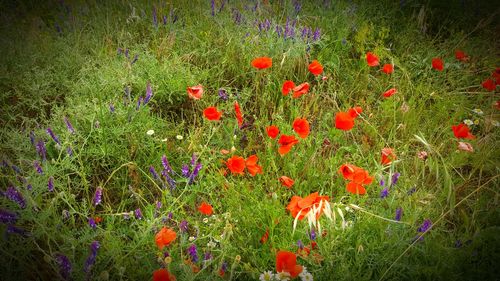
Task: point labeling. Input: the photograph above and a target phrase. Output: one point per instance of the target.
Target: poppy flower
(286, 143)
(195, 92)
(387, 156)
(287, 87)
(299, 207)
(236, 164)
(356, 188)
(300, 90)
(357, 176)
(205, 209)
(390, 92)
(264, 237)
(239, 115)
(212, 114)
(301, 127)
(164, 237)
(315, 68)
(388, 68)
(163, 275)
(347, 171)
(252, 166)
(461, 56)
(355, 111)
(344, 121)
(361, 176)
(272, 131)
(287, 262)
(489, 85)
(461, 131)
(286, 181)
(262, 62)
(437, 64)
(371, 59)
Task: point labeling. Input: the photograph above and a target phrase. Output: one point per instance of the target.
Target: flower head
(195, 92)
(301, 127)
(287, 262)
(287, 87)
(300, 90)
(212, 114)
(236, 164)
(461, 56)
(387, 156)
(286, 181)
(286, 143)
(438, 64)
(371, 59)
(461, 131)
(315, 68)
(251, 165)
(97, 196)
(272, 131)
(388, 68)
(205, 209)
(163, 275)
(262, 62)
(165, 236)
(390, 92)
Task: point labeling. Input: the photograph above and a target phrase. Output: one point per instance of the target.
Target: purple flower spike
(138, 214)
(300, 244)
(41, 150)
(195, 173)
(111, 108)
(15, 196)
(136, 57)
(185, 171)
(155, 18)
(92, 223)
(212, 6)
(50, 184)
(68, 125)
(382, 182)
(166, 165)
(69, 150)
(32, 137)
(64, 266)
(312, 235)
(425, 225)
(183, 226)
(98, 196)
(38, 168)
(53, 136)
(412, 190)
(91, 258)
(12, 229)
(139, 100)
(16, 169)
(207, 256)
(149, 93)
(153, 172)
(193, 252)
(384, 193)
(399, 213)
(7, 217)
(395, 178)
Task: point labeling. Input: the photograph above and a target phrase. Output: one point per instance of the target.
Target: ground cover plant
(249, 140)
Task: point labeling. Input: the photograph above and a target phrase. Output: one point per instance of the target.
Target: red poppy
(195, 92)
(300, 90)
(286, 181)
(212, 114)
(262, 62)
(437, 64)
(287, 262)
(388, 68)
(287, 87)
(461, 131)
(489, 85)
(355, 188)
(371, 59)
(163, 275)
(286, 143)
(355, 111)
(347, 171)
(461, 56)
(390, 92)
(239, 115)
(357, 176)
(205, 209)
(252, 166)
(344, 121)
(387, 156)
(272, 131)
(361, 176)
(301, 127)
(264, 237)
(302, 206)
(315, 68)
(164, 237)
(236, 164)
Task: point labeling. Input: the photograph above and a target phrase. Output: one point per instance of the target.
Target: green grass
(46, 75)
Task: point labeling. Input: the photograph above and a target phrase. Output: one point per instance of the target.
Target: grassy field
(111, 168)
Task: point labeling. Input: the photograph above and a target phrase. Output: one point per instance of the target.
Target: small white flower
(478, 111)
(205, 220)
(495, 123)
(211, 244)
(150, 132)
(468, 122)
(266, 276)
(306, 276)
(282, 276)
(164, 140)
(191, 238)
(179, 137)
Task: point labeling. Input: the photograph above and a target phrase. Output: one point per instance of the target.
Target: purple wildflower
(138, 214)
(164, 20)
(12, 229)
(297, 6)
(29, 187)
(69, 151)
(395, 178)
(425, 225)
(171, 182)
(139, 100)
(64, 266)
(195, 172)
(92, 223)
(92, 257)
(38, 167)
(223, 267)
(98, 196)
(300, 244)
(16, 169)
(119, 51)
(312, 234)
(185, 170)
(155, 18)
(50, 184)
(317, 34)
(223, 95)
(170, 215)
(126, 53)
(399, 213)
(193, 252)
(149, 93)
(207, 256)
(15, 196)
(111, 108)
(183, 226)
(136, 57)
(212, 6)
(68, 125)
(382, 182)
(384, 193)
(32, 137)
(53, 136)
(193, 160)
(412, 190)
(153, 172)
(166, 165)
(41, 150)
(158, 204)
(7, 217)
(126, 216)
